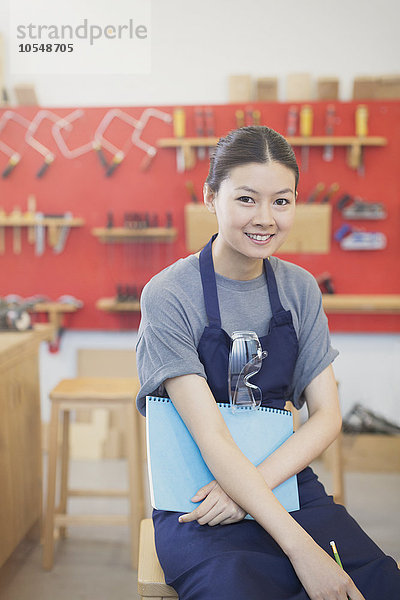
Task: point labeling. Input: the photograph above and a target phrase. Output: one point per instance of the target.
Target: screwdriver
(239, 114)
(179, 125)
(361, 131)
(327, 154)
(293, 117)
(306, 125)
(199, 126)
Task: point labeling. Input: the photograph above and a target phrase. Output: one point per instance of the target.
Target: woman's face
(255, 209)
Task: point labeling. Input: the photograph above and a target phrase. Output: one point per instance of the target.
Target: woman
(189, 312)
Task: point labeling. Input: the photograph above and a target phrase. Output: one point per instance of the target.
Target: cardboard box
(327, 88)
(267, 89)
(299, 87)
(365, 88)
(240, 88)
(389, 88)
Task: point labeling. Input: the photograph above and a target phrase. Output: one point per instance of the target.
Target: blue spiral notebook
(175, 465)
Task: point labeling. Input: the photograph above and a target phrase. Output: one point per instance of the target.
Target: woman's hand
(321, 576)
(217, 507)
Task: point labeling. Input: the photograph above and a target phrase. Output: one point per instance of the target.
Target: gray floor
(93, 563)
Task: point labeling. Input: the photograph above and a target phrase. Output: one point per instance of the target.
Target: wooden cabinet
(20, 441)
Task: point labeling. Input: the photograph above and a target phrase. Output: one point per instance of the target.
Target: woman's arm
(244, 483)
(313, 437)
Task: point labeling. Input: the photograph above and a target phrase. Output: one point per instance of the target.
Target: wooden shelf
(125, 234)
(111, 305)
(55, 311)
(364, 303)
(293, 140)
(14, 221)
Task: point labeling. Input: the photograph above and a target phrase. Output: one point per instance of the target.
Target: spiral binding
(270, 409)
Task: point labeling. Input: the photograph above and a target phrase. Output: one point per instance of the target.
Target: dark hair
(255, 144)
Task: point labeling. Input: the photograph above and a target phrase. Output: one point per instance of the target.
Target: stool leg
(337, 467)
(136, 495)
(48, 541)
(64, 471)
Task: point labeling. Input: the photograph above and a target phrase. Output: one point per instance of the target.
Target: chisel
(210, 126)
(331, 191)
(327, 154)
(315, 193)
(190, 189)
(17, 214)
(361, 131)
(239, 114)
(292, 120)
(2, 233)
(199, 126)
(31, 215)
(306, 125)
(179, 127)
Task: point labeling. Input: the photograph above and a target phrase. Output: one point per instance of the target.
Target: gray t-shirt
(174, 318)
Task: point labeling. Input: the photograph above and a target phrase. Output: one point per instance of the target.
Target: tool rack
(108, 235)
(31, 221)
(355, 144)
(112, 305)
(55, 312)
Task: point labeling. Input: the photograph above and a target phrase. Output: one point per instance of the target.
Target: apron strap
(276, 305)
(209, 285)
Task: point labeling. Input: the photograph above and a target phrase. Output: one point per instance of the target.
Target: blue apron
(242, 561)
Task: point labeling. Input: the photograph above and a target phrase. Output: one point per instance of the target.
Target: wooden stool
(151, 581)
(91, 393)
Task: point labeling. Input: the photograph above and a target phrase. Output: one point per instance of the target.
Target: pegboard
(89, 270)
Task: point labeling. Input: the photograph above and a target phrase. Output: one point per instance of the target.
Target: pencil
(336, 554)
(337, 557)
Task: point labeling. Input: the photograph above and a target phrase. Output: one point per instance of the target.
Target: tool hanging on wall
(239, 116)
(353, 238)
(315, 193)
(17, 246)
(292, 120)
(334, 187)
(179, 127)
(306, 127)
(138, 125)
(210, 127)
(355, 157)
(330, 118)
(30, 214)
(66, 124)
(190, 188)
(13, 159)
(325, 283)
(199, 124)
(48, 156)
(14, 155)
(150, 150)
(362, 210)
(2, 232)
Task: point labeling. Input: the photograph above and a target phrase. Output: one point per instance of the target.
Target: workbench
(20, 439)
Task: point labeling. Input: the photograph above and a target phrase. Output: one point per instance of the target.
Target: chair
(151, 581)
(92, 393)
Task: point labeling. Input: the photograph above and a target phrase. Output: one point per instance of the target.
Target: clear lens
(245, 361)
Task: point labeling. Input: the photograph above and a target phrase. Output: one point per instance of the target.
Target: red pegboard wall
(90, 270)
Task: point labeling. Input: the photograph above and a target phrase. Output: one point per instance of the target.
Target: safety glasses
(245, 360)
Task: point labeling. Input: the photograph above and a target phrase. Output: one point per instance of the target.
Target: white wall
(195, 47)
(196, 44)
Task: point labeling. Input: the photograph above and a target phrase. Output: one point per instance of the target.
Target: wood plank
(92, 520)
(361, 303)
(151, 580)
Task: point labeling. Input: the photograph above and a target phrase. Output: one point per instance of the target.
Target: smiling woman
(190, 312)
